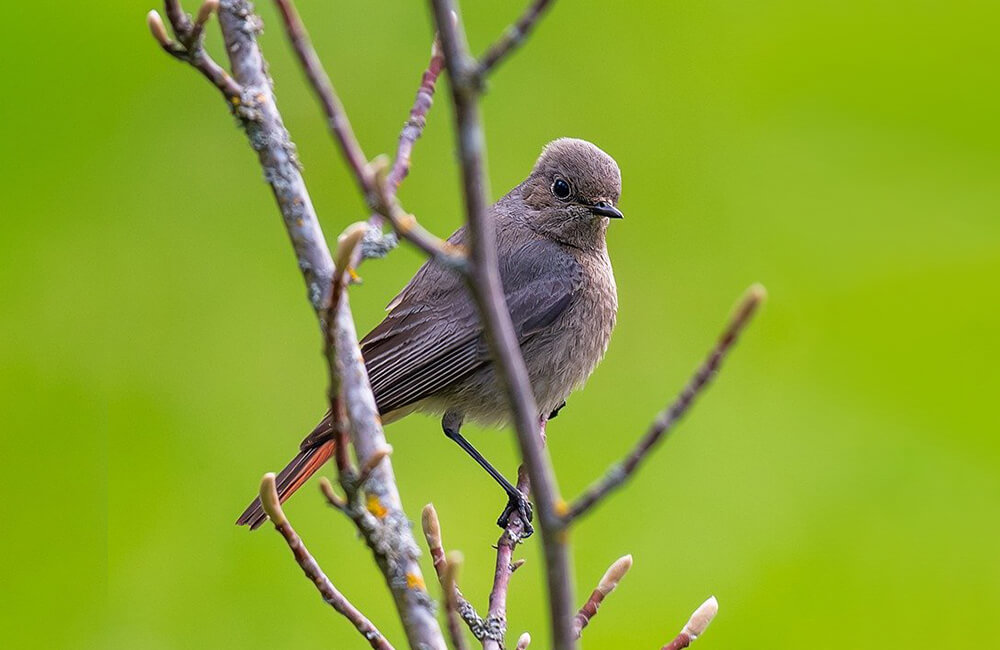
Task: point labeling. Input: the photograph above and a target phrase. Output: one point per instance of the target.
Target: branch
(333, 597)
(380, 518)
(417, 120)
(665, 421)
(695, 626)
(336, 116)
(512, 37)
(496, 619)
(383, 524)
(378, 193)
(608, 582)
(190, 49)
(487, 291)
(465, 609)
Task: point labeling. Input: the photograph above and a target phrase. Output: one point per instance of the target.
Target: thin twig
(417, 119)
(512, 37)
(695, 626)
(484, 282)
(667, 418)
(523, 641)
(432, 533)
(496, 618)
(378, 193)
(191, 51)
(336, 116)
(608, 582)
(449, 583)
(333, 597)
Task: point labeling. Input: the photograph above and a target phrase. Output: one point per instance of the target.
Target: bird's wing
(432, 336)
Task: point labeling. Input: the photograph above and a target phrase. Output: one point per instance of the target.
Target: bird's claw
(518, 503)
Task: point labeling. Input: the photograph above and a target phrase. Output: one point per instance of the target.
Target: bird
(429, 354)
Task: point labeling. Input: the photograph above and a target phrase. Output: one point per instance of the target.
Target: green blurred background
(838, 487)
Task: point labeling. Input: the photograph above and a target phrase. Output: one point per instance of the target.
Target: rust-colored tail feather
(289, 480)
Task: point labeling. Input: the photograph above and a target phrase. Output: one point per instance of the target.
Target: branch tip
(523, 641)
(332, 498)
(377, 457)
(702, 616)
(346, 243)
(431, 526)
(158, 29)
(614, 574)
(206, 10)
(269, 500)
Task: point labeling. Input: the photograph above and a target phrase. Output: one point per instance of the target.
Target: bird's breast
(562, 358)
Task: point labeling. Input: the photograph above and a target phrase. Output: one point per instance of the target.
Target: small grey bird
(429, 354)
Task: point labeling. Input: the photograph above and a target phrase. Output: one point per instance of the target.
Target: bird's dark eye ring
(561, 189)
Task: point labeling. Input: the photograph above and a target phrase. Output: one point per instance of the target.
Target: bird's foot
(518, 503)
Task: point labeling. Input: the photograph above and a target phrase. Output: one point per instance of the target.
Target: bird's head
(573, 189)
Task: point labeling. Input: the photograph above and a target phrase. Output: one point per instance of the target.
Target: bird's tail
(289, 480)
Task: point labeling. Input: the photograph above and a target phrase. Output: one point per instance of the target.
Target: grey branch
(497, 616)
(484, 283)
(512, 37)
(190, 48)
(381, 520)
(665, 421)
(331, 595)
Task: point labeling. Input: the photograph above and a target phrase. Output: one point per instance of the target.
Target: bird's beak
(605, 209)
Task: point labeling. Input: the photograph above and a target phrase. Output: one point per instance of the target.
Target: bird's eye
(561, 189)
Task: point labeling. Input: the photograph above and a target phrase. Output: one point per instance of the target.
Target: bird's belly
(562, 359)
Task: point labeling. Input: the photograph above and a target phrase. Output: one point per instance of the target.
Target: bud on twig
(702, 617)
(269, 499)
(158, 29)
(206, 10)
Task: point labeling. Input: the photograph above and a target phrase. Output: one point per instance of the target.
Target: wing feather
(432, 336)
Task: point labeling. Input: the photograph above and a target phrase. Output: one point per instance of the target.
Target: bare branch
(190, 48)
(484, 282)
(205, 12)
(417, 120)
(465, 609)
(665, 421)
(512, 37)
(695, 626)
(377, 192)
(496, 618)
(336, 116)
(452, 565)
(333, 597)
(381, 521)
(608, 582)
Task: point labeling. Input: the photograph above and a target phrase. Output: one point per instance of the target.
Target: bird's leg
(553, 414)
(516, 501)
